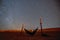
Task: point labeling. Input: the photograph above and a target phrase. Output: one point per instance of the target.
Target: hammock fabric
(31, 33)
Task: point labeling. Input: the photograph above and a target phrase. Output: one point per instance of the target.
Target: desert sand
(48, 34)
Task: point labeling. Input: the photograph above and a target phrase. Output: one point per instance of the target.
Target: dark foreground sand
(50, 34)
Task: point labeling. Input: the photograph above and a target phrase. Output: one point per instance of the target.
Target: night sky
(14, 13)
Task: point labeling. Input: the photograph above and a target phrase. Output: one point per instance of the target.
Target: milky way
(14, 13)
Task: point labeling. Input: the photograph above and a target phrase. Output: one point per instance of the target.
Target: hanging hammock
(31, 33)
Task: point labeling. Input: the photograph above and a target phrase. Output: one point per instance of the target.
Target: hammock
(31, 33)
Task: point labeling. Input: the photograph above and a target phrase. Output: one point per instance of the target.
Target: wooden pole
(41, 25)
(22, 29)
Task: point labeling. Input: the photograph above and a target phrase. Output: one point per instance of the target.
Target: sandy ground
(49, 34)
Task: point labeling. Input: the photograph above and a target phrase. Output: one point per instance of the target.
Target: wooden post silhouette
(41, 25)
(42, 34)
(22, 29)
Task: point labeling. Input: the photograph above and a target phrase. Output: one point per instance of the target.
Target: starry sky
(14, 13)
